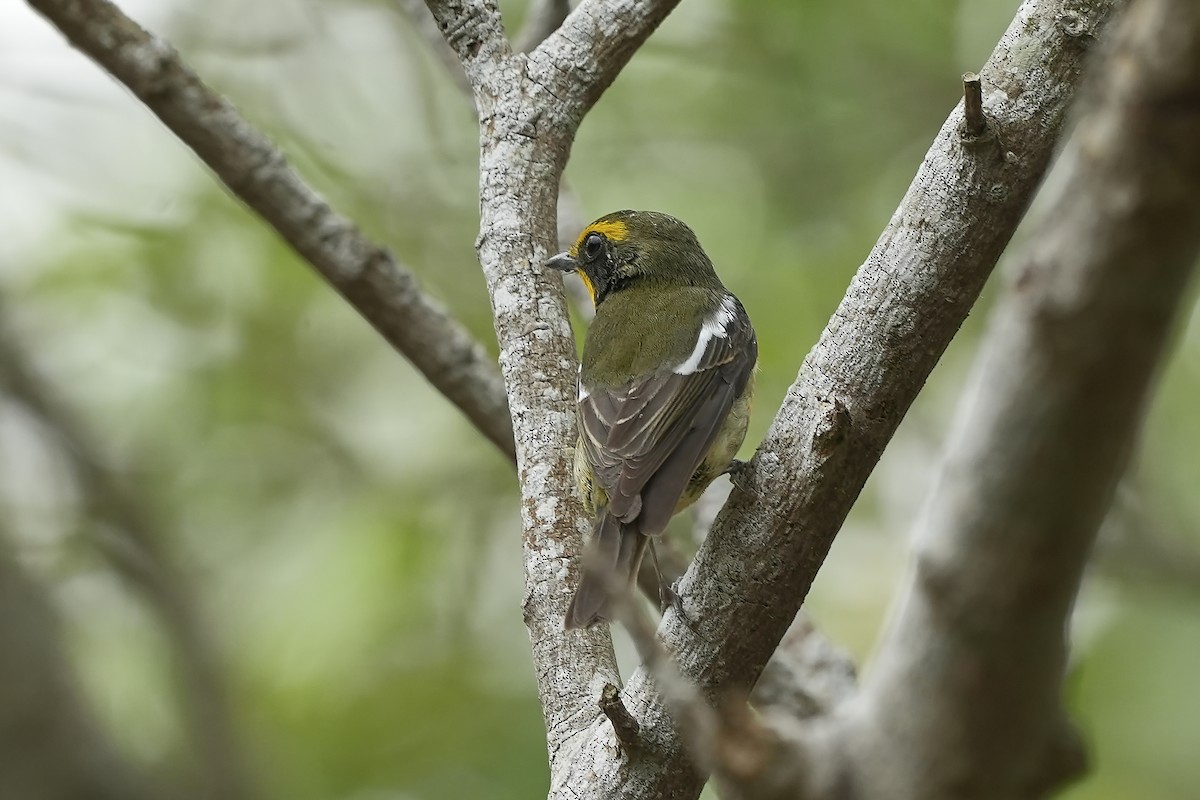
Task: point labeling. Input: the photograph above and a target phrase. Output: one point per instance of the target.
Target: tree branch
(807, 676)
(966, 694)
(368, 276)
(475, 33)
(899, 314)
(576, 63)
(543, 19)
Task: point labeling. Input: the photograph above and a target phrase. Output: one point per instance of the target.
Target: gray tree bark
(965, 698)
(903, 307)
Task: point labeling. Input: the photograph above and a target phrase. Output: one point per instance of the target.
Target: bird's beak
(562, 262)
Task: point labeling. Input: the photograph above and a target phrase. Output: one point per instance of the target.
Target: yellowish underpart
(612, 229)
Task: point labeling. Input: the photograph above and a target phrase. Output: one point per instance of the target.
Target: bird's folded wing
(645, 438)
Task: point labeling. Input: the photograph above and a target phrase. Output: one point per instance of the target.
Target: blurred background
(345, 546)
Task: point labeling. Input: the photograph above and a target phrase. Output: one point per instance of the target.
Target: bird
(665, 386)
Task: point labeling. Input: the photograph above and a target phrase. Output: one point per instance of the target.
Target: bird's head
(628, 248)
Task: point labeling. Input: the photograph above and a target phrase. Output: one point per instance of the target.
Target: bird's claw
(739, 474)
(670, 598)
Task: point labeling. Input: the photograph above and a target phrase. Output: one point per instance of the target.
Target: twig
(1061, 388)
(133, 549)
(1135, 546)
(624, 725)
(542, 21)
(973, 104)
(727, 741)
(368, 276)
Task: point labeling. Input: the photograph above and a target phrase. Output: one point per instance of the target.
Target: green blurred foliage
(353, 545)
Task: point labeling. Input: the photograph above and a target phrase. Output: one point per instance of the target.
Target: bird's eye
(592, 246)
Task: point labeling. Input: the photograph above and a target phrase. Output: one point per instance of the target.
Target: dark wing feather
(645, 439)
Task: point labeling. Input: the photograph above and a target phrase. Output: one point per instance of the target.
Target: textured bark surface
(529, 109)
(964, 700)
(256, 172)
(901, 311)
(905, 304)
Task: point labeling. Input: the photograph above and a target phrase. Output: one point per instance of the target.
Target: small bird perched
(664, 389)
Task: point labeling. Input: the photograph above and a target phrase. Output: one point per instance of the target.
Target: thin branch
(973, 119)
(727, 739)
(1135, 546)
(807, 676)
(543, 21)
(133, 548)
(966, 693)
(899, 314)
(475, 33)
(368, 276)
(576, 63)
(544, 18)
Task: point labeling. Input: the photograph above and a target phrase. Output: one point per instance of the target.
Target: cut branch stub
(973, 119)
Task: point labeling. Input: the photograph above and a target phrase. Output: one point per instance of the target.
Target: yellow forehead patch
(612, 229)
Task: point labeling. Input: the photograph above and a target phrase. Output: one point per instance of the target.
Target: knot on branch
(1073, 25)
(832, 427)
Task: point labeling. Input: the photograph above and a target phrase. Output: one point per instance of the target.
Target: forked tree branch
(901, 311)
(965, 697)
(529, 110)
(904, 306)
(254, 170)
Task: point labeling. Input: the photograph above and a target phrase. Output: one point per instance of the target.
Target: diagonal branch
(966, 694)
(899, 314)
(368, 276)
(581, 59)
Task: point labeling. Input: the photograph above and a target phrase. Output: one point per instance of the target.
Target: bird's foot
(739, 474)
(670, 598)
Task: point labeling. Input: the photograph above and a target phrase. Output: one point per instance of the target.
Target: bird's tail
(610, 565)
